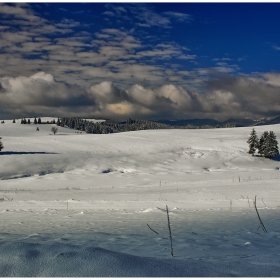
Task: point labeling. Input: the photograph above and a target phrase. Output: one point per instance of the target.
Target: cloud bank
(226, 96)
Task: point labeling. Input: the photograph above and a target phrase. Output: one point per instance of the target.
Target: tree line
(39, 121)
(115, 126)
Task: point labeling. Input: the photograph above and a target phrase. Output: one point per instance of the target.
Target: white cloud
(226, 96)
(178, 16)
(116, 54)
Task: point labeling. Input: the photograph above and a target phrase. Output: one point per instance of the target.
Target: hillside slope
(75, 204)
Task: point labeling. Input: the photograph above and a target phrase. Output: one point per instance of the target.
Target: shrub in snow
(253, 142)
(54, 129)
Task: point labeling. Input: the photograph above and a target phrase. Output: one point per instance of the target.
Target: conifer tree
(263, 143)
(28, 121)
(35, 121)
(39, 121)
(253, 142)
(271, 147)
(1, 144)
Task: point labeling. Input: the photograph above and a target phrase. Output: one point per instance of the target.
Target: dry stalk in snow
(152, 229)
(261, 223)
(263, 202)
(170, 234)
(9, 198)
(248, 202)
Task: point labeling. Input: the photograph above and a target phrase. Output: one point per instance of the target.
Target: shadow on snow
(26, 153)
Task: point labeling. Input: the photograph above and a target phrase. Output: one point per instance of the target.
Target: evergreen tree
(35, 121)
(28, 121)
(21, 121)
(253, 142)
(263, 143)
(271, 146)
(58, 122)
(1, 144)
(39, 121)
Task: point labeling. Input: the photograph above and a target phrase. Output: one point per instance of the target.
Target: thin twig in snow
(261, 223)
(248, 202)
(170, 234)
(152, 229)
(9, 198)
(263, 202)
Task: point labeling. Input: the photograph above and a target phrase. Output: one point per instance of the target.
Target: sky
(140, 60)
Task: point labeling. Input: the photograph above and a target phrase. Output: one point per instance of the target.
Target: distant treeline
(113, 126)
(28, 121)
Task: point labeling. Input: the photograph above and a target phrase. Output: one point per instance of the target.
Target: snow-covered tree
(253, 142)
(1, 144)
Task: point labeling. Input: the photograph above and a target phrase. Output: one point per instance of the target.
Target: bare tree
(54, 130)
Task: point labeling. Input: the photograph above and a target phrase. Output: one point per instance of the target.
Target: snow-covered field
(76, 204)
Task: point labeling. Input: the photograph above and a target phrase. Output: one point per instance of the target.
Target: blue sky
(145, 60)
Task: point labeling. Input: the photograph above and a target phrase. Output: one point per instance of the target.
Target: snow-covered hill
(76, 204)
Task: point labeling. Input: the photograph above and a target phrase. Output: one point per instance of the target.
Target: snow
(79, 204)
